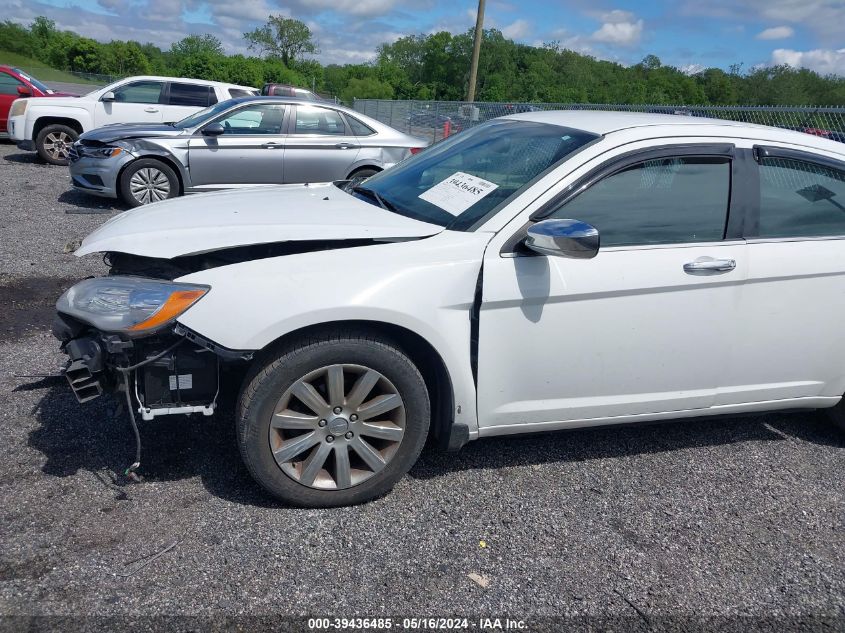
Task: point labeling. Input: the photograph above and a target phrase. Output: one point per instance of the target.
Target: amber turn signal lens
(175, 305)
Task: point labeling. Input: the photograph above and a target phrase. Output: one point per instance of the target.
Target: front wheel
(53, 143)
(334, 421)
(148, 180)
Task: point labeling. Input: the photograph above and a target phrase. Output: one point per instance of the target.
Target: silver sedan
(236, 143)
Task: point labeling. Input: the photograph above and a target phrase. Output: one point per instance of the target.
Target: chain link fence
(435, 120)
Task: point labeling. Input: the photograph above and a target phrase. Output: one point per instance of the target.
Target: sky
(689, 34)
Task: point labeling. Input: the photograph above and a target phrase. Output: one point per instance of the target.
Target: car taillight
(416, 150)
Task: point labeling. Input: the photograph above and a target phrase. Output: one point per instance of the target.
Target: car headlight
(131, 305)
(18, 107)
(99, 152)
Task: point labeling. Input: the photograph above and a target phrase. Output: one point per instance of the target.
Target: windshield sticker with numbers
(458, 192)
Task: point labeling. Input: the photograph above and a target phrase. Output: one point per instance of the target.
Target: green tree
(369, 88)
(282, 38)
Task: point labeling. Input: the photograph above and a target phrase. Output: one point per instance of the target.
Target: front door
(249, 152)
(8, 92)
(645, 327)
(134, 102)
(320, 148)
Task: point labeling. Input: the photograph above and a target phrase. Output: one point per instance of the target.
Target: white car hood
(214, 221)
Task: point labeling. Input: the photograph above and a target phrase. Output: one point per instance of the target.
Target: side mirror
(109, 96)
(213, 129)
(564, 238)
(24, 91)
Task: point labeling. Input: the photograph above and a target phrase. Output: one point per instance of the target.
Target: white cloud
(824, 17)
(776, 33)
(823, 61)
(517, 30)
(692, 69)
(620, 28)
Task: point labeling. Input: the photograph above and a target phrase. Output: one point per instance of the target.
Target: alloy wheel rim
(337, 426)
(149, 185)
(57, 145)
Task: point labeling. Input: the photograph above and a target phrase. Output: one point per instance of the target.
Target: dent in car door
(320, 146)
(634, 331)
(249, 152)
(791, 339)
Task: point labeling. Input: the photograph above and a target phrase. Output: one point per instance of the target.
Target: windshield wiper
(384, 204)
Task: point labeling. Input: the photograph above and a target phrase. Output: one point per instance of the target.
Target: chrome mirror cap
(564, 238)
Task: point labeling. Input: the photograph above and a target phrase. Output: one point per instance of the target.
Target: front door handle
(271, 145)
(151, 110)
(708, 266)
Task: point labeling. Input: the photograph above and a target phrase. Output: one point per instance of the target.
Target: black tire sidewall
(260, 395)
(140, 163)
(366, 172)
(39, 141)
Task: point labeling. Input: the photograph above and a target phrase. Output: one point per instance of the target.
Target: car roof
(604, 122)
(188, 80)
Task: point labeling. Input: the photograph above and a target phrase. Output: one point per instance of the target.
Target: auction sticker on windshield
(458, 192)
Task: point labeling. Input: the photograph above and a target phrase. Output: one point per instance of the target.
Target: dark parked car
(286, 90)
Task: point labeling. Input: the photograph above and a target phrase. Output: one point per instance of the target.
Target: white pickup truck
(50, 129)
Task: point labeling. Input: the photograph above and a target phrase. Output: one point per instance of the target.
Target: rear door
(791, 340)
(184, 99)
(320, 146)
(8, 93)
(134, 102)
(249, 152)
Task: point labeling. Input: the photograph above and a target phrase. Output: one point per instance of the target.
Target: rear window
(191, 95)
(358, 128)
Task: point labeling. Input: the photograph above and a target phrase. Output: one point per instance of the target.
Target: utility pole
(476, 49)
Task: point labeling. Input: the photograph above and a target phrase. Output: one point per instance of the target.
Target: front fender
(426, 286)
(80, 115)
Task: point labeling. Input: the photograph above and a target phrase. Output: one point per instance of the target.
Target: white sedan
(541, 271)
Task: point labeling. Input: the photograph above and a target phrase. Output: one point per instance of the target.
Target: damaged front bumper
(172, 372)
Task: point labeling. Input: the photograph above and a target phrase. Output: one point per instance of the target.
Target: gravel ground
(699, 519)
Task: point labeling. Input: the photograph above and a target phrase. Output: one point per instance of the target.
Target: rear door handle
(708, 266)
(150, 110)
(345, 146)
(271, 145)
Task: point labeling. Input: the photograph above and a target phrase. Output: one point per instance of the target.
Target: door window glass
(139, 92)
(663, 201)
(314, 120)
(265, 118)
(9, 85)
(189, 95)
(358, 128)
(800, 199)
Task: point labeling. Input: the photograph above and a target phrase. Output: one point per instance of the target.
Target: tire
(837, 415)
(318, 476)
(148, 180)
(53, 143)
(366, 172)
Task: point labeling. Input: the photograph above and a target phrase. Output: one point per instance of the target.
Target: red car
(15, 83)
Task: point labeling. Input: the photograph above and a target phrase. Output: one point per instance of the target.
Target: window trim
(290, 130)
(738, 201)
(209, 91)
(244, 106)
(163, 96)
(771, 151)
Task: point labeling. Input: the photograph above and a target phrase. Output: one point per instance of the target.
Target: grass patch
(41, 71)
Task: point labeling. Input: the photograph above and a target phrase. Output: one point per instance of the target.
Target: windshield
(462, 180)
(34, 81)
(198, 118)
